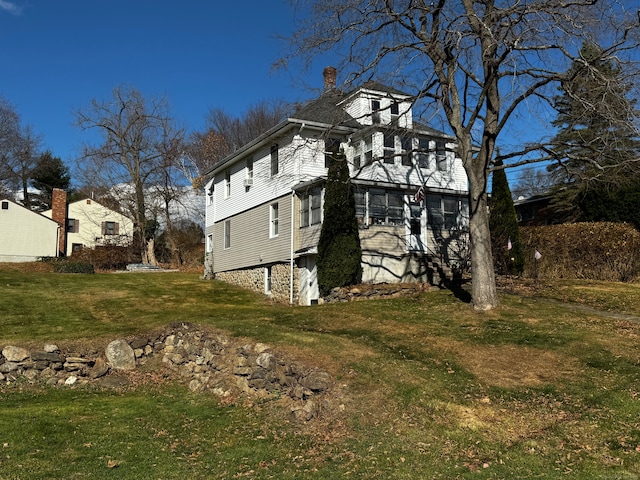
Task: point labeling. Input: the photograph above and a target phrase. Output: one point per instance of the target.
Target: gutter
(293, 196)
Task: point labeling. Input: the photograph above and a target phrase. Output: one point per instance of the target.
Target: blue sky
(57, 55)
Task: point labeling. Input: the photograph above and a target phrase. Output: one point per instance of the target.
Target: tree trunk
(484, 294)
(148, 254)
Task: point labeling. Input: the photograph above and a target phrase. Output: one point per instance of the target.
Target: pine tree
(49, 173)
(504, 227)
(339, 253)
(596, 139)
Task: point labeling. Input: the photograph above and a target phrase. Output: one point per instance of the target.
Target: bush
(108, 257)
(591, 251)
(73, 267)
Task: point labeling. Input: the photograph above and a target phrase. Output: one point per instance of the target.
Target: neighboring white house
(26, 236)
(264, 202)
(89, 224)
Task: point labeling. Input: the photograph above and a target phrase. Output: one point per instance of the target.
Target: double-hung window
(273, 220)
(443, 211)
(311, 207)
(227, 234)
(275, 161)
(441, 155)
(227, 183)
(407, 148)
(422, 155)
(389, 148)
(386, 207)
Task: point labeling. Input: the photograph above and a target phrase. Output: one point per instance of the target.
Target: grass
(431, 390)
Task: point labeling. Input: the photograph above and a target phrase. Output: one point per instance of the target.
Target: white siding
(92, 216)
(26, 235)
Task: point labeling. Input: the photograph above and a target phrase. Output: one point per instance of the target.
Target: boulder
(15, 354)
(317, 381)
(120, 355)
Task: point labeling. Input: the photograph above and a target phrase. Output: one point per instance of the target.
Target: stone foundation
(254, 279)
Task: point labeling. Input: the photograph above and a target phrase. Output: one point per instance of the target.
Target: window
(356, 155)
(227, 184)
(73, 225)
(331, 150)
(248, 181)
(311, 207)
(267, 280)
(394, 113)
(76, 247)
(275, 166)
(441, 155)
(406, 146)
(360, 197)
(422, 156)
(375, 111)
(5, 205)
(227, 234)
(210, 195)
(368, 151)
(386, 207)
(209, 243)
(389, 148)
(110, 228)
(273, 231)
(443, 211)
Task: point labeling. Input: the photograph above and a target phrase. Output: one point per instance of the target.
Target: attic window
(375, 111)
(5, 205)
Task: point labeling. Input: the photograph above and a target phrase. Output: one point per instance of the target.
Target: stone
(317, 381)
(47, 357)
(8, 367)
(80, 360)
(261, 347)
(100, 368)
(138, 352)
(51, 348)
(120, 355)
(71, 380)
(139, 343)
(242, 371)
(15, 354)
(266, 360)
(31, 374)
(195, 386)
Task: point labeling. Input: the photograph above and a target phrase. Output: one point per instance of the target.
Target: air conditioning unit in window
(248, 182)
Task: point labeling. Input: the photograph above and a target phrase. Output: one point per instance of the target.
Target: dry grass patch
(511, 366)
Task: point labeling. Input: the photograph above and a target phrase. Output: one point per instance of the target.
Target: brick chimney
(329, 74)
(59, 214)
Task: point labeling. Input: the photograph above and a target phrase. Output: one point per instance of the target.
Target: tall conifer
(339, 252)
(504, 227)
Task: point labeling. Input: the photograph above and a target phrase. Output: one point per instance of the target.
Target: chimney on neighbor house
(59, 214)
(329, 74)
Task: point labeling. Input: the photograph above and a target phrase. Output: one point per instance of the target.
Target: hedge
(591, 251)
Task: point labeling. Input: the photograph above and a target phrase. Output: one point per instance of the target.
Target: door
(415, 224)
(308, 289)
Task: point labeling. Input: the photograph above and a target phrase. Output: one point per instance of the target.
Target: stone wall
(254, 278)
(375, 291)
(208, 361)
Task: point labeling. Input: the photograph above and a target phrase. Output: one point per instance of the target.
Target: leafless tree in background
(138, 140)
(481, 66)
(224, 134)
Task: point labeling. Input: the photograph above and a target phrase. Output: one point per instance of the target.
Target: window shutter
(76, 226)
(116, 228)
(104, 227)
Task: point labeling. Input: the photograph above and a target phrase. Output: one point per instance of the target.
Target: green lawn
(431, 389)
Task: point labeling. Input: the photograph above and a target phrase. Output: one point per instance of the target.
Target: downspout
(293, 194)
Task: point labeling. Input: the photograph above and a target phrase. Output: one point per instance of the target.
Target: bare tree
(138, 140)
(9, 137)
(225, 134)
(480, 64)
(21, 160)
(532, 181)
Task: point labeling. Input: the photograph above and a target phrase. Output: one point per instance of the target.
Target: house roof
(325, 112)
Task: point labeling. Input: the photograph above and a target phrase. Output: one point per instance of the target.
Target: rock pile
(208, 361)
(375, 291)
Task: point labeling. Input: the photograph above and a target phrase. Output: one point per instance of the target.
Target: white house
(26, 236)
(88, 224)
(264, 202)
